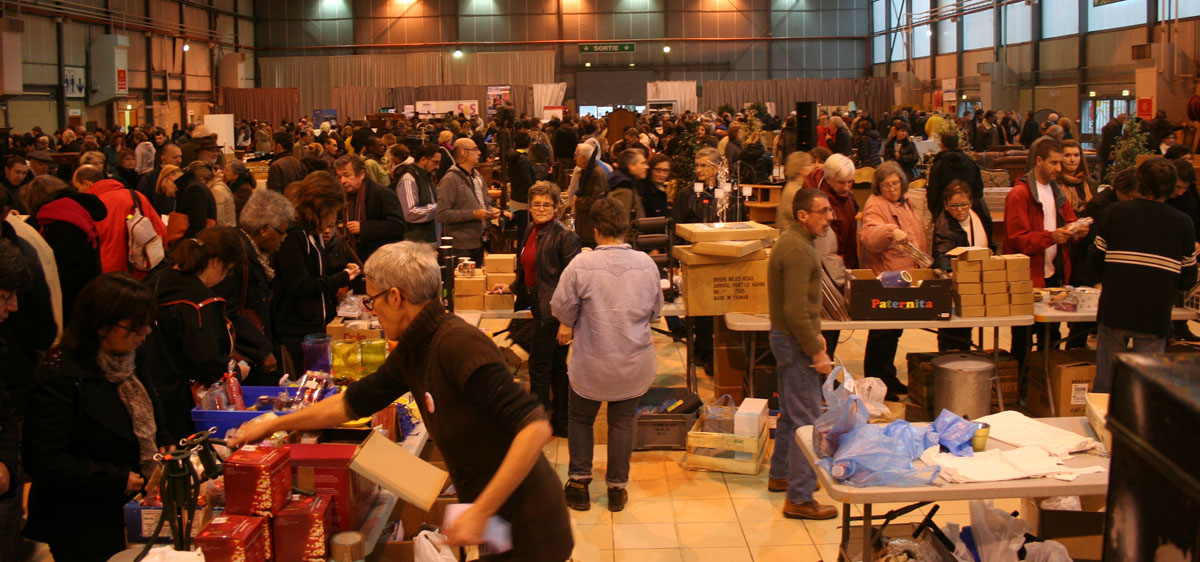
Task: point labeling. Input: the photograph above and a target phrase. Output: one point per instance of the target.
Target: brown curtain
(353, 103)
(272, 105)
(873, 94)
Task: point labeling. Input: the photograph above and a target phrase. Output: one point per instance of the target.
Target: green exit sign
(607, 47)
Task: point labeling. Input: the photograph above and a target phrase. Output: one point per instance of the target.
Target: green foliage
(683, 161)
(726, 108)
(759, 108)
(1132, 144)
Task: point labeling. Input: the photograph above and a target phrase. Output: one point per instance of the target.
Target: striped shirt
(1145, 251)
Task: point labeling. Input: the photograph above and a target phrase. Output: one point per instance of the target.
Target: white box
(750, 417)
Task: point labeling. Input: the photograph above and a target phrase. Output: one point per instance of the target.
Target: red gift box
(325, 469)
(234, 538)
(302, 529)
(258, 480)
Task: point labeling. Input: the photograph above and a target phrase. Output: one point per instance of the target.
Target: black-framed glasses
(131, 331)
(369, 302)
(541, 205)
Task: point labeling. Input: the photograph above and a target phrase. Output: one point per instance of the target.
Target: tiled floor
(679, 515)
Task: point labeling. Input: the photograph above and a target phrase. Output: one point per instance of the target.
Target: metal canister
(962, 383)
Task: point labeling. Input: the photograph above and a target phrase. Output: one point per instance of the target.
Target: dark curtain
(873, 94)
(272, 105)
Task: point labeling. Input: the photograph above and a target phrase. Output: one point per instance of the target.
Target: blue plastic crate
(224, 420)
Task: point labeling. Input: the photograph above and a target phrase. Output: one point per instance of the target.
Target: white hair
(838, 168)
(411, 267)
(585, 149)
(264, 209)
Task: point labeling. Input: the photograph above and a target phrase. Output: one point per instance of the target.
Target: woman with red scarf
(67, 220)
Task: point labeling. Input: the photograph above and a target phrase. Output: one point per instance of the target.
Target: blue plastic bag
(867, 456)
(914, 440)
(955, 433)
(846, 411)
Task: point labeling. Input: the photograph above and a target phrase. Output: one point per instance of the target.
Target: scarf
(263, 259)
(118, 369)
(69, 211)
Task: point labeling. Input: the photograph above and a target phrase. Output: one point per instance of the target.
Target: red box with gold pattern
(234, 538)
(258, 480)
(324, 468)
(302, 529)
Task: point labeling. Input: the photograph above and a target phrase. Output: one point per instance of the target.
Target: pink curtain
(272, 105)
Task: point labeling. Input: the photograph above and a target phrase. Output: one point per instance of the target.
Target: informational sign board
(1145, 108)
(438, 108)
(122, 82)
(75, 81)
(553, 111)
(607, 47)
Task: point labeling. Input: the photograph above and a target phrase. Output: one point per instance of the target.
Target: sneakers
(808, 510)
(617, 498)
(577, 495)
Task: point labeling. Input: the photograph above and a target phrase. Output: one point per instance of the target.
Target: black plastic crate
(662, 432)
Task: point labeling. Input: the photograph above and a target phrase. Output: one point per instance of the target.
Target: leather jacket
(557, 245)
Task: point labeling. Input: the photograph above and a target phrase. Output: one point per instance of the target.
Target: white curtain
(547, 94)
(682, 91)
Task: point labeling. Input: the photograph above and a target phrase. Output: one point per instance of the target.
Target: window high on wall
(921, 34)
(1059, 18)
(947, 31)
(978, 30)
(1017, 19)
(1118, 14)
(1187, 9)
(878, 24)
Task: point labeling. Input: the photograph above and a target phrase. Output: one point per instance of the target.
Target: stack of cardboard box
(501, 270)
(987, 285)
(1020, 288)
(967, 264)
(725, 268)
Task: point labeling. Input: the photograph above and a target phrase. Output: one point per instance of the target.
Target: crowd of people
(144, 263)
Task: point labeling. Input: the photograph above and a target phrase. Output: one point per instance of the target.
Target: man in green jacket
(794, 285)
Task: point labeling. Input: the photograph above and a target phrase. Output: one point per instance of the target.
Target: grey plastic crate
(662, 432)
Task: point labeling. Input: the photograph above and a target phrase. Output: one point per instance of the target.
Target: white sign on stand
(222, 125)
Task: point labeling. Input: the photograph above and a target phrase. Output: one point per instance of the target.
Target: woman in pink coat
(888, 220)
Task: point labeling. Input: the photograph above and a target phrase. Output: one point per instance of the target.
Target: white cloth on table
(995, 465)
(1020, 430)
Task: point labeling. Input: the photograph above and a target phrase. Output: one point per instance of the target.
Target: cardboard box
(1082, 532)
(470, 286)
(994, 263)
(968, 277)
(999, 276)
(493, 279)
(410, 520)
(398, 471)
(995, 299)
(499, 302)
(972, 312)
(325, 469)
(714, 232)
(234, 538)
(995, 288)
(870, 300)
(1021, 286)
(141, 520)
(1018, 275)
(258, 480)
(342, 329)
(1071, 376)
(750, 417)
(969, 300)
(969, 288)
(728, 248)
(969, 253)
(471, 302)
(500, 263)
(712, 290)
(686, 256)
(1016, 262)
(998, 310)
(1023, 309)
(301, 530)
(1021, 298)
(963, 265)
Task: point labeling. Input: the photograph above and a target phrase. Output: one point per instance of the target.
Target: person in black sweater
(1186, 200)
(901, 149)
(372, 215)
(67, 219)
(957, 225)
(521, 177)
(192, 339)
(14, 277)
(194, 200)
(953, 164)
(125, 172)
(30, 330)
(306, 283)
(654, 195)
(95, 423)
(1145, 251)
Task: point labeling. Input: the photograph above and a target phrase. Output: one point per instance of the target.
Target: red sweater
(845, 221)
(1025, 233)
(114, 239)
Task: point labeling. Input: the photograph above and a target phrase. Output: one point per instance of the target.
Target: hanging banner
(1145, 108)
(122, 82)
(498, 96)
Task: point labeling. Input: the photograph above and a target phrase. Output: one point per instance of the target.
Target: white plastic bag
(872, 391)
(429, 546)
(998, 535)
(1063, 503)
(1048, 551)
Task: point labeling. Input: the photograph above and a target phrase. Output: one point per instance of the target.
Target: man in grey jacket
(463, 204)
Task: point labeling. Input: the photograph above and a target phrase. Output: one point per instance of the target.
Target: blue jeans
(1111, 341)
(580, 438)
(799, 405)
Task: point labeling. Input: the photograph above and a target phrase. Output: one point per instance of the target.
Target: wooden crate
(711, 451)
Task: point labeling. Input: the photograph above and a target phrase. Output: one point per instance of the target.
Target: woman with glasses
(958, 225)
(192, 340)
(889, 221)
(94, 423)
(656, 195)
(306, 282)
(542, 254)
(247, 290)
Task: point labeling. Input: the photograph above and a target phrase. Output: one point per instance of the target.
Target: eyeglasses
(889, 185)
(958, 206)
(369, 302)
(541, 205)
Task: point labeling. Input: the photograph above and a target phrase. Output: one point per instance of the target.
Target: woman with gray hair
(842, 142)
(247, 289)
(489, 429)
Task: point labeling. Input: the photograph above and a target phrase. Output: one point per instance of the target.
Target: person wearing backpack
(131, 219)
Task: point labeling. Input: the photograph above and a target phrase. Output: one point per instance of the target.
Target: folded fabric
(994, 465)
(1020, 430)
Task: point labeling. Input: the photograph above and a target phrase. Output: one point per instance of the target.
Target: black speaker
(806, 125)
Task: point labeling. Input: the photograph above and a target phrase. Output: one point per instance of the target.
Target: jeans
(799, 405)
(548, 371)
(1111, 341)
(880, 356)
(620, 438)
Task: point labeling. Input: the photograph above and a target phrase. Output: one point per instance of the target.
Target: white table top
(762, 322)
(669, 309)
(1084, 485)
(1043, 312)
(470, 316)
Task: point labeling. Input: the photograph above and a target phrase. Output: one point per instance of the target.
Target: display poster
(1145, 108)
(323, 115)
(553, 111)
(498, 96)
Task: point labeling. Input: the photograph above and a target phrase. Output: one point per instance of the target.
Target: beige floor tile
(704, 511)
(606, 556)
(726, 554)
(775, 533)
(791, 553)
(649, 535)
(710, 534)
(828, 552)
(646, 511)
(828, 531)
(599, 536)
(649, 489)
(699, 489)
(597, 515)
(657, 456)
(647, 470)
(677, 471)
(647, 555)
(759, 509)
(748, 487)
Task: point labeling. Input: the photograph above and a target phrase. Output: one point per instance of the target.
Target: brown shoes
(780, 485)
(808, 510)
